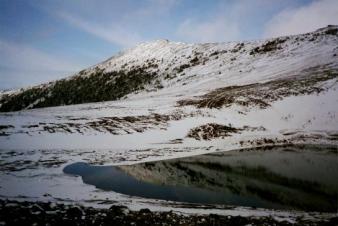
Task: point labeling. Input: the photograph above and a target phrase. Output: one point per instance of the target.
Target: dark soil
(38, 213)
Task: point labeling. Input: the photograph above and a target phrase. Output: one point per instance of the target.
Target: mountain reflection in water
(294, 177)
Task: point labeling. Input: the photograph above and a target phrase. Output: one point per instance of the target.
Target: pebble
(15, 213)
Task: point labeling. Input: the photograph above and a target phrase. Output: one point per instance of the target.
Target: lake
(289, 177)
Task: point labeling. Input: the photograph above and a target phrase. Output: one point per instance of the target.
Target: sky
(44, 40)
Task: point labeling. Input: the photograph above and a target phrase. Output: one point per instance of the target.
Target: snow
(288, 118)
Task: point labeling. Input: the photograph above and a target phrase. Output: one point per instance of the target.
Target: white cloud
(25, 57)
(218, 29)
(226, 22)
(113, 34)
(303, 19)
(119, 28)
(23, 64)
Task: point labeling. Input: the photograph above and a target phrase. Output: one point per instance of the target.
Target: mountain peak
(329, 29)
(154, 43)
(161, 63)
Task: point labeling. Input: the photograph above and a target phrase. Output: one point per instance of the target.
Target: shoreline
(49, 213)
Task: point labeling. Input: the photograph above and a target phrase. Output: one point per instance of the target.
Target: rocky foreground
(39, 213)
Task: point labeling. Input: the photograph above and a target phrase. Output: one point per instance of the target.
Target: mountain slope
(200, 67)
(169, 100)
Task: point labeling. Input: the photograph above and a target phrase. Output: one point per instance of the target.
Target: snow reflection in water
(294, 177)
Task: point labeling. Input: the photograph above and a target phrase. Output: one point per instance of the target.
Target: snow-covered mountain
(174, 93)
(163, 100)
(185, 69)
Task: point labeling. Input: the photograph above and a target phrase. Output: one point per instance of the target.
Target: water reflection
(295, 177)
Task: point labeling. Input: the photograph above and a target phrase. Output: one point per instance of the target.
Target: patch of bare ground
(333, 136)
(44, 213)
(269, 46)
(20, 165)
(114, 125)
(213, 130)
(262, 94)
(265, 142)
(13, 161)
(4, 128)
(296, 137)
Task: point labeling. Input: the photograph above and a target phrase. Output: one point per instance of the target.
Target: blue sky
(42, 40)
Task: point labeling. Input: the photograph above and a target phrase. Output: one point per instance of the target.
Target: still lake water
(294, 177)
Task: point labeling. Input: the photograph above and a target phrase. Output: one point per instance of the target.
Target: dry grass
(261, 94)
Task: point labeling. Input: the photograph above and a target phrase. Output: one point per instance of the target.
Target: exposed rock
(69, 215)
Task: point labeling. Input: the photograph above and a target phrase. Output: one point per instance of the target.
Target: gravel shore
(40, 213)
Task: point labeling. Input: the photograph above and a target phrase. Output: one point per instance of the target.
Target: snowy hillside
(163, 100)
(168, 66)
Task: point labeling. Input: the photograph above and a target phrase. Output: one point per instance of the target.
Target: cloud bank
(25, 65)
(303, 19)
(114, 34)
(216, 30)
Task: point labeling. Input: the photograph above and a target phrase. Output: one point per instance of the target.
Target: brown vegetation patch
(3, 129)
(20, 165)
(237, 48)
(331, 31)
(114, 125)
(213, 130)
(269, 46)
(261, 94)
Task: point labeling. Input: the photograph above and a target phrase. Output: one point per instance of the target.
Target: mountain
(164, 95)
(164, 100)
(276, 174)
(245, 73)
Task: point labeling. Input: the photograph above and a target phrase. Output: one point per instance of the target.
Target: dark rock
(117, 210)
(75, 211)
(145, 211)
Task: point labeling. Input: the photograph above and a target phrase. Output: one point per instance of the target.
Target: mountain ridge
(153, 66)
